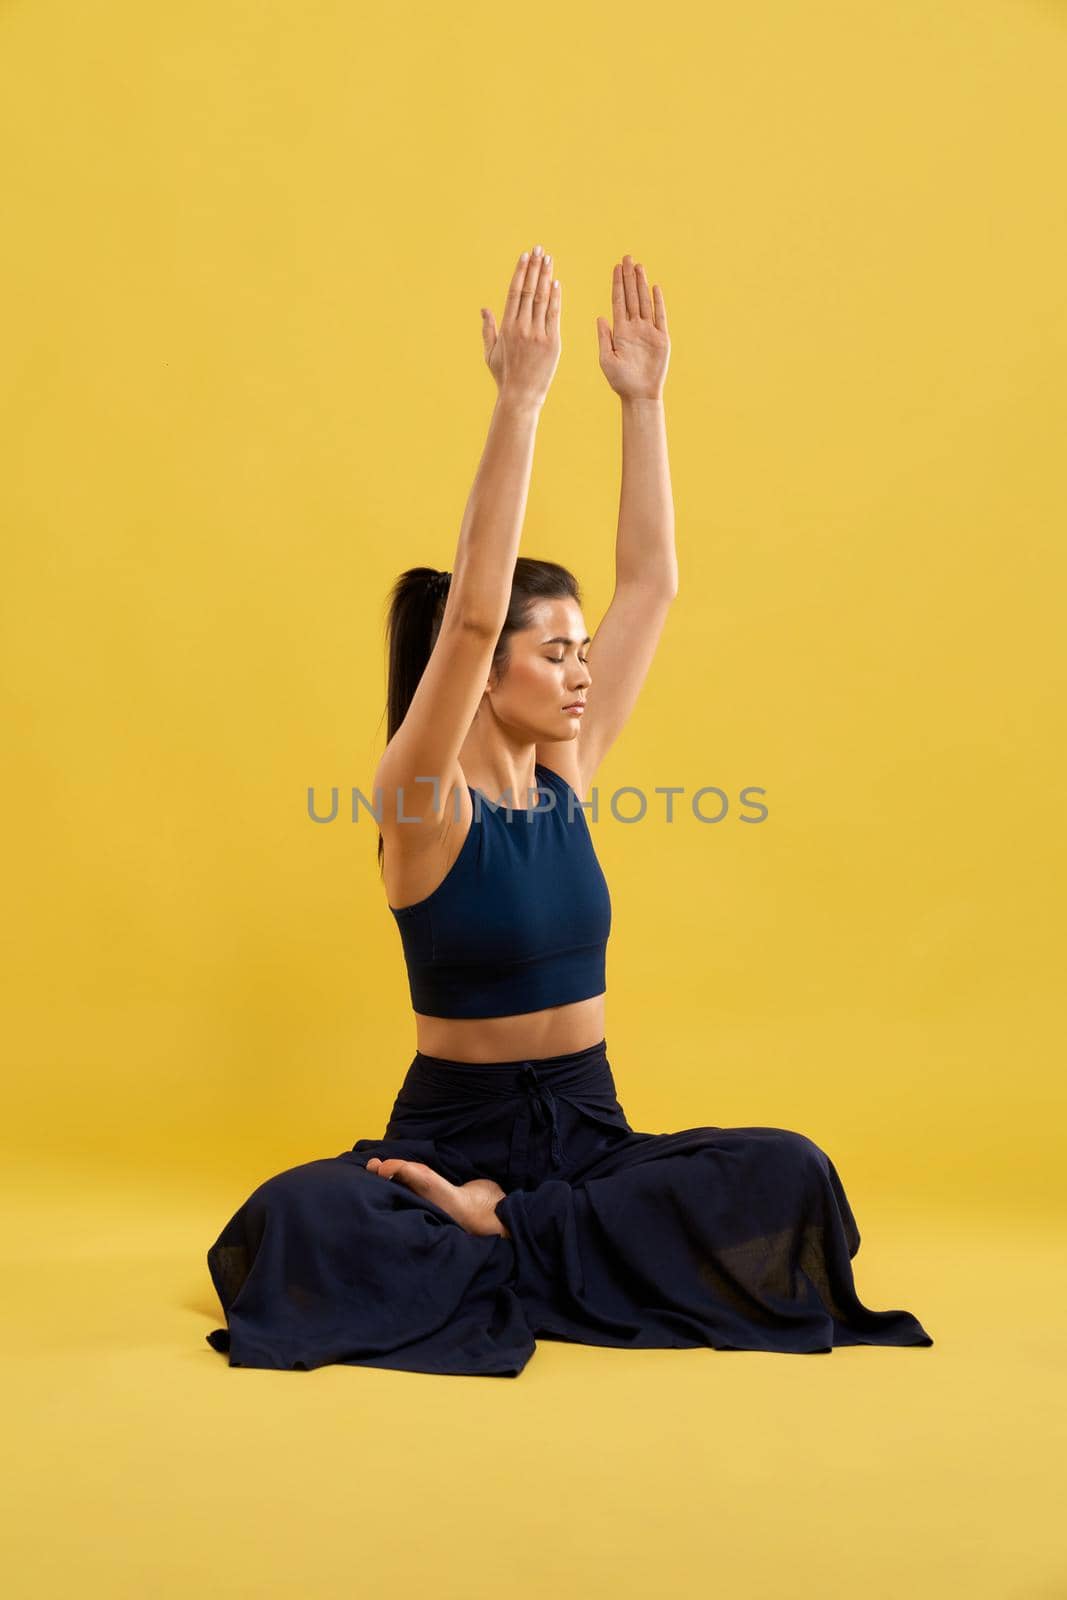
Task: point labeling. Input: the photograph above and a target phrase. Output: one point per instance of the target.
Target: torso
(410, 877)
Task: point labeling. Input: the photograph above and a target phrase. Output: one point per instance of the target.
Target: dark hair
(416, 606)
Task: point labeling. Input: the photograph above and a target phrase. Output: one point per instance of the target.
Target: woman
(509, 1197)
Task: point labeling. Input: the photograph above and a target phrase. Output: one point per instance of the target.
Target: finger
(488, 331)
(526, 294)
(513, 299)
(603, 333)
(661, 309)
(629, 286)
(644, 299)
(541, 295)
(618, 295)
(555, 300)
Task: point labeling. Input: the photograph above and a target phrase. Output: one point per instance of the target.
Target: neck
(502, 769)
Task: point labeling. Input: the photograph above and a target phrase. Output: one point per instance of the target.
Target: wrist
(642, 402)
(519, 402)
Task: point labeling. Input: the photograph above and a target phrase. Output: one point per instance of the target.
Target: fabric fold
(728, 1238)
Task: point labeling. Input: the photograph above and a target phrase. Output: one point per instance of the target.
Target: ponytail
(415, 608)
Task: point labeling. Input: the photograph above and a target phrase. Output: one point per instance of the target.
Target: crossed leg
(738, 1238)
(328, 1262)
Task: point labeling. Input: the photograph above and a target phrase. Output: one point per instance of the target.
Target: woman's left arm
(633, 357)
(644, 542)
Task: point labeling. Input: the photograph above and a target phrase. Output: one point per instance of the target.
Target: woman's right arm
(523, 360)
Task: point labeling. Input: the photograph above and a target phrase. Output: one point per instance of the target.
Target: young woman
(509, 1197)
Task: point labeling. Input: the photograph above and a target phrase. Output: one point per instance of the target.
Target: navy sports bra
(521, 919)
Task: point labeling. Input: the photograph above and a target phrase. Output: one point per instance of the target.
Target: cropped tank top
(522, 917)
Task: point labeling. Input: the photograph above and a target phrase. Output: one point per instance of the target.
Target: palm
(640, 355)
(635, 352)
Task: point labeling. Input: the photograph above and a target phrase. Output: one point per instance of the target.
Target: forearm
(644, 544)
(492, 522)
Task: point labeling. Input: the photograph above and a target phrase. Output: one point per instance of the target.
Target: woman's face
(547, 672)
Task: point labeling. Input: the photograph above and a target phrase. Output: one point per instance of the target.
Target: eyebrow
(562, 639)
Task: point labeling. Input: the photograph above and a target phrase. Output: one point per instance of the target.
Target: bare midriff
(555, 1032)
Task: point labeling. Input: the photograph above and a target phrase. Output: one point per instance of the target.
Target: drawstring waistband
(542, 1098)
(444, 1099)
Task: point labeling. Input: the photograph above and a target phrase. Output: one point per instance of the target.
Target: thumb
(488, 331)
(604, 337)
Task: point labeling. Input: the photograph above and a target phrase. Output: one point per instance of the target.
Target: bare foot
(473, 1204)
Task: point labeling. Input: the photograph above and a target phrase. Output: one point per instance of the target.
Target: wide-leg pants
(730, 1238)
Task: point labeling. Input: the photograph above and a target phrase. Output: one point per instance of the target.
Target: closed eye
(558, 659)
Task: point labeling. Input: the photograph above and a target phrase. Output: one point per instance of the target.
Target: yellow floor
(145, 1466)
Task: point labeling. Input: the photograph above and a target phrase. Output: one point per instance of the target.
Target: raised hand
(523, 353)
(634, 354)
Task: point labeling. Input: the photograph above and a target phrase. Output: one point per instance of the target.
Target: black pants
(734, 1238)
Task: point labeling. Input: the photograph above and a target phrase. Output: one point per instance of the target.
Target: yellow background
(246, 247)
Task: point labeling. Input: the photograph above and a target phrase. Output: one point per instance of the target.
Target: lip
(576, 709)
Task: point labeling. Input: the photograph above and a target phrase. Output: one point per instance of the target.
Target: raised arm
(633, 357)
(522, 357)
